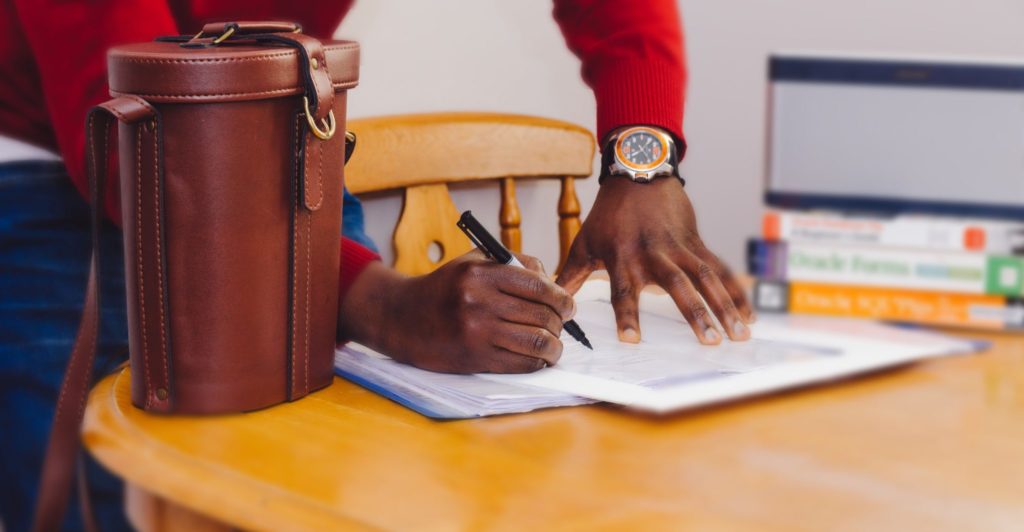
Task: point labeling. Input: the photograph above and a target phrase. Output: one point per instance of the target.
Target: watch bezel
(621, 159)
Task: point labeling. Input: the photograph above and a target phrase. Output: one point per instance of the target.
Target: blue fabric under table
(44, 263)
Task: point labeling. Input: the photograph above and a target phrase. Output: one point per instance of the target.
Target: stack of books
(930, 270)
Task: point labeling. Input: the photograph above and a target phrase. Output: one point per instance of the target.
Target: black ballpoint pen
(494, 250)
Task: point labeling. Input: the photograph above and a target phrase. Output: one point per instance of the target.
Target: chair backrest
(423, 153)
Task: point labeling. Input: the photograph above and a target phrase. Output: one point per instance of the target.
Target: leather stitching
(352, 46)
(307, 201)
(327, 76)
(195, 96)
(305, 170)
(139, 269)
(318, 81)
(159, 260)
(320, 176)
(295, 240)
(74, 352)
(296, 90)
(55, 478)
(140, 101)
(146, 60)
(307, 217)
(94, 272)
(92, 349)
(121, 116)
(309, 247)
(261, 57)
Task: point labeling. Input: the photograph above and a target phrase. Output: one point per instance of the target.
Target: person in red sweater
(641, 228)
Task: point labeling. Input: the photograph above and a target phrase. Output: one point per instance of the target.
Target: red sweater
(53, 65)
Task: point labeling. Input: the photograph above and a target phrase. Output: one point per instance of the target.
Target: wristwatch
(640, 153)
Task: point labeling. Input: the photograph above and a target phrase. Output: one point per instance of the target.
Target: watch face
(641, 148)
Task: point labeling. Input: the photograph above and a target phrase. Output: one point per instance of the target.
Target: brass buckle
(350, 145)
(220, 38)
(225, 35)
(328, 123)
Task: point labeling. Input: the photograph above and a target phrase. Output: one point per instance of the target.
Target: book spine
(971, 273)
(927, 308)
(931, 233)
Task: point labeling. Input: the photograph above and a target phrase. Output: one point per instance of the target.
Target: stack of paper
(441, 395)
(669, 370)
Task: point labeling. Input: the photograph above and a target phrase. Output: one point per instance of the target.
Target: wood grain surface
(401, 151)
(936, 446)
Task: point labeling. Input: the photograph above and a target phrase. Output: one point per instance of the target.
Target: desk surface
(935, 446)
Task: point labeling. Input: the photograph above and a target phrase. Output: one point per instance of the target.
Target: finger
(516, 310)
(710, 287)
(675, 281)
(732, 286)
(529, 341)
(532, 263)
(625, 298)
(576, 269)
(534, 287)
(504, 361)
(471, 255)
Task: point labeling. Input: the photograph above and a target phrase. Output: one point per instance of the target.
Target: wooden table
(937, 446)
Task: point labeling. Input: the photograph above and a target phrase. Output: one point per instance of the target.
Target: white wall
(509, 56)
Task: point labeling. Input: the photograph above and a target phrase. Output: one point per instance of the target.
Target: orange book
(913, 306)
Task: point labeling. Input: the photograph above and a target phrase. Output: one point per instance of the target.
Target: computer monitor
(896, 135)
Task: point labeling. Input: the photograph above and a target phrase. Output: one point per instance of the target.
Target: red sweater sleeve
(632, 55)
(354, 259)
(69, 41)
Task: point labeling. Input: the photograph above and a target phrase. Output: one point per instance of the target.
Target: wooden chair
(422, 154)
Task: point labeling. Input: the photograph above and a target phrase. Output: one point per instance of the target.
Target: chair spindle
(510, 217)
(568, 218)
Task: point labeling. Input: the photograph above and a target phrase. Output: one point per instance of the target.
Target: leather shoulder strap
(62, 449)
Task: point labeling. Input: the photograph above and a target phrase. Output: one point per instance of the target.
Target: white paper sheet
(441, 395)
(669, 370)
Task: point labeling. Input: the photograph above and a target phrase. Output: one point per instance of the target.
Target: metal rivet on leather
(161, 393)
(314, 63)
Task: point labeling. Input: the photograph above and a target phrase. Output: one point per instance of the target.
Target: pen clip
(476, 241)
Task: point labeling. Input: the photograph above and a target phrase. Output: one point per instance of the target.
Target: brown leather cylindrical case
(232, 154)
(231, 196)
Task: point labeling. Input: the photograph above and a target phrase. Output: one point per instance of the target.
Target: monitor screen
(891, 135)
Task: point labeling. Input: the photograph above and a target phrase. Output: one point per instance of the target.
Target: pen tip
(587, 343)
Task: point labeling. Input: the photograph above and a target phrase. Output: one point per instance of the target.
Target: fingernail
(752, 318)
(629, 335)
(739, 330)
(711, 336)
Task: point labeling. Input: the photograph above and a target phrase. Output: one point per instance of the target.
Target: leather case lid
(166, 72)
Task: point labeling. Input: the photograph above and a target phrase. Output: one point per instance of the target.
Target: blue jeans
(44, 262)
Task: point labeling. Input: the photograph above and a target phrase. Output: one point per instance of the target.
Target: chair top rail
(395, 152)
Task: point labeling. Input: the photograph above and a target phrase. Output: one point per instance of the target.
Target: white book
(668, 371)
(939, 233)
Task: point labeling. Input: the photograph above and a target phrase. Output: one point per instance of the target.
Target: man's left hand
(647, 234)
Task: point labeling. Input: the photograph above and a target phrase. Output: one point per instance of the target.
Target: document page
(667, 371)
(442, 395)
(670, 370)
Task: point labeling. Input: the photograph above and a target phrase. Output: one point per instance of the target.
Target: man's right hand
(469, 316)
